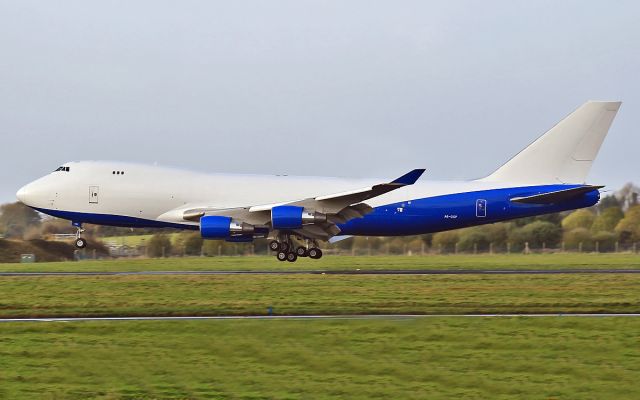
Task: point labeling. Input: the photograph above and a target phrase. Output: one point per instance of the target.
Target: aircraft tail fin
(565, 153)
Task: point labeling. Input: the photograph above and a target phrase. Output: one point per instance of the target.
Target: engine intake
(293, 217)
(219, 227)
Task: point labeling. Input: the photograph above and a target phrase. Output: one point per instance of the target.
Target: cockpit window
(65, 169)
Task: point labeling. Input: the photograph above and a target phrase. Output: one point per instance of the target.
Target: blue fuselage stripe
(453, 211)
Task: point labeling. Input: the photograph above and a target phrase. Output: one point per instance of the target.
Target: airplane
(296, 213)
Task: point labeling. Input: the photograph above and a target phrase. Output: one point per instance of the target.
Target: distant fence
(490, 248)
(250, 249)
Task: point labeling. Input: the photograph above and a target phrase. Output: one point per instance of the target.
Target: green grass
(317, 294)
(329, 262)
(434, 358)
(430, 358)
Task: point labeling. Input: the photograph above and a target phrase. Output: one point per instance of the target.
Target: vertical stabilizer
(564, 154)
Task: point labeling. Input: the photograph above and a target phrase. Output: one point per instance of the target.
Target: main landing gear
(286, 250)
(81, 242)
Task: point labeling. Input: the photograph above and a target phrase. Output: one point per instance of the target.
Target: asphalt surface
(310, 317)
(338, 272)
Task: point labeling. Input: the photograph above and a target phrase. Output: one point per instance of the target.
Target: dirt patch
(10, 250)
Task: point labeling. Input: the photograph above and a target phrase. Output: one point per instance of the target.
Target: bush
(471, 238)
(445, 241)
(628, 228)
(607, 220)
(578, 219)
(606, 240)
(497, 233)
(193, 244)
(574, 237)
(536, 234)
(159, 245)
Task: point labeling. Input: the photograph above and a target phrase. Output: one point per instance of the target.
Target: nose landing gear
(80, 242)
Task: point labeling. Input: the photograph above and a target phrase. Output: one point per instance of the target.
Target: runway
(335, 272)
(314, 317)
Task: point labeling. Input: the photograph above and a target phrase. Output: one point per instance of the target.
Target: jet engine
(293, 217)
(219, 227)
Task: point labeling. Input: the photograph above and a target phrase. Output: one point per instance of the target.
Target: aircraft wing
(338, 207)
(335, 202)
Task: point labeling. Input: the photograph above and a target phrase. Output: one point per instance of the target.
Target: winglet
(409, 178)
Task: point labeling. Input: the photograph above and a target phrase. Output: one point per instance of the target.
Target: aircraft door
(481, 208)
(93, 194)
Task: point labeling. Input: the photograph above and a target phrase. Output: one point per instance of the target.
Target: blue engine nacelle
(219, 227)
(293, 217)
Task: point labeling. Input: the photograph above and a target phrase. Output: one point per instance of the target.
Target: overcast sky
(342, 88)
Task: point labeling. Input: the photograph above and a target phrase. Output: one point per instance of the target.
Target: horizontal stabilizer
(557, 196)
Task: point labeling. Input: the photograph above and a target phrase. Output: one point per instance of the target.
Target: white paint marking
(302, 317)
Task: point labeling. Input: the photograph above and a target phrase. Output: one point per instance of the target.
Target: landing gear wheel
(315, 253)
(281, 256)
(274, 245)
(292, 257)
(80, 242)
(284, 247)
(301, 252)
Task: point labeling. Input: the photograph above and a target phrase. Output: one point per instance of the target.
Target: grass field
(434, 358)
(502, 261)
(317, 294)
(555, 357)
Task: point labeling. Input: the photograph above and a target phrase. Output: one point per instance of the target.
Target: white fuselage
(159, 193)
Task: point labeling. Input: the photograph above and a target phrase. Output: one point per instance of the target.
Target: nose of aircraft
(38, 193)
(23, 194)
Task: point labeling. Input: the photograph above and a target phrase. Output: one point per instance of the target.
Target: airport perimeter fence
(490, 248)
(217, 249)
